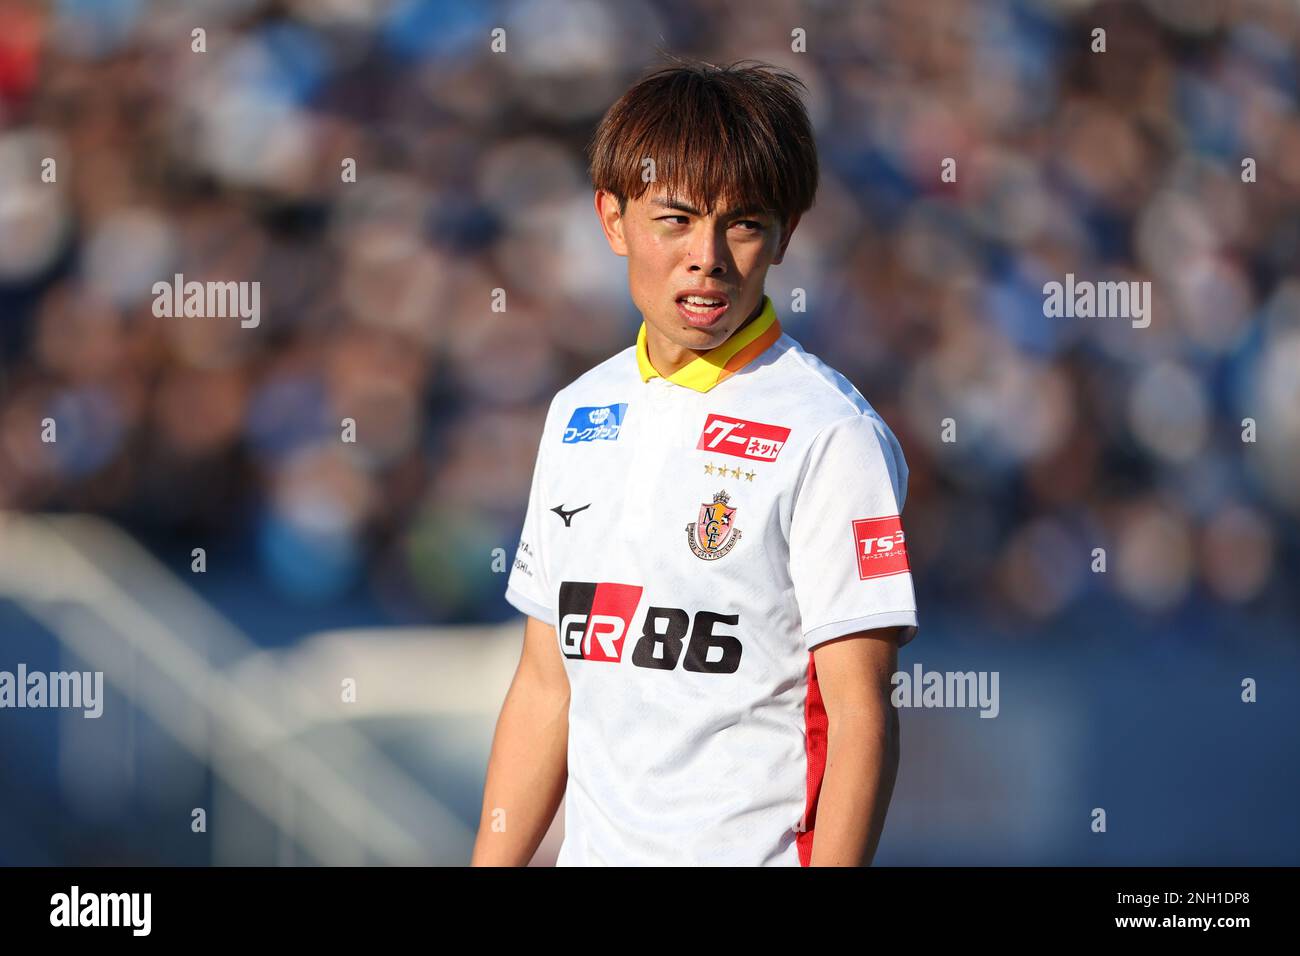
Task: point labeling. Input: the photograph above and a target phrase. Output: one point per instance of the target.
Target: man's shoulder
(605, 384)
(821, 394)
(618, 368)
(840, 421)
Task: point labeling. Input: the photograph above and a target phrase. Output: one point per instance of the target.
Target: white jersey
(692, 539)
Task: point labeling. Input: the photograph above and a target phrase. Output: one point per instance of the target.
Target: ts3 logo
(595, 619)
(881, 547)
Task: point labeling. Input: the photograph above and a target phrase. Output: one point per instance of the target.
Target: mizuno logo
(568, 515)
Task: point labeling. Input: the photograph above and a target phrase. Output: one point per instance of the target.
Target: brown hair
(738, 131)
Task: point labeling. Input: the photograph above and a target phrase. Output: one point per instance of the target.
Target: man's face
(674, 249)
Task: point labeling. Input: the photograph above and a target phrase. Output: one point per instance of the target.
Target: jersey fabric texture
(692, 539)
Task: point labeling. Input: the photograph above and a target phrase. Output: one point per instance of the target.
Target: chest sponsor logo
(715, 533)
(594, 423)
(595, 619)
(744, 439)
(880, 547)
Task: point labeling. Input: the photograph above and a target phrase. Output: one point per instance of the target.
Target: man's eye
(751, 225)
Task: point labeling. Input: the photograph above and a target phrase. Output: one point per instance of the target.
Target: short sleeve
(848, 554)
(528, 588)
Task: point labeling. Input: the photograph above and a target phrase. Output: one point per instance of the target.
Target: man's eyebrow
(686, 207)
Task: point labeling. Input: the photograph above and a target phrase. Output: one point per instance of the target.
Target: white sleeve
(529, 586)
(848, 556)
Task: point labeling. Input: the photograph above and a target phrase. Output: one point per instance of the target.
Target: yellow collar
(707, 370)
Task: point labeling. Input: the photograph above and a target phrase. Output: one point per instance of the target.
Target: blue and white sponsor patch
(592, 422)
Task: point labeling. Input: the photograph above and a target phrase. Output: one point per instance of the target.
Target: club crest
(715, 532)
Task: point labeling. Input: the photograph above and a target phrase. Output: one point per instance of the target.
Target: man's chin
(700, 339)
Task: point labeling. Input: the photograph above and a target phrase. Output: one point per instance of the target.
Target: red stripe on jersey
(815, 724)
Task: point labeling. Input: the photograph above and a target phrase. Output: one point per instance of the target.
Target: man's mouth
(702, 309)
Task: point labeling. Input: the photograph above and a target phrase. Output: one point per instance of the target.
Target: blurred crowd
(230, 164)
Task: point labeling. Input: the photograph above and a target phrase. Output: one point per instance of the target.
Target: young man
(712, 563)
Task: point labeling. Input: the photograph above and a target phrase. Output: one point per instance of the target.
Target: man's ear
(611, 220)
(786, 233)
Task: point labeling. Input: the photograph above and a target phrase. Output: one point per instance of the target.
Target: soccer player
(712, 562)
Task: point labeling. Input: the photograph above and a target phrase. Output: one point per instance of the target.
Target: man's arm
(528, 768)
(862, 746)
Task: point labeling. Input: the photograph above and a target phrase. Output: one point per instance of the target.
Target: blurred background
(383, 562)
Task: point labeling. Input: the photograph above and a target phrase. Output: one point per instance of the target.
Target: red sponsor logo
(595, 619)
(879, 545)
(735, 436)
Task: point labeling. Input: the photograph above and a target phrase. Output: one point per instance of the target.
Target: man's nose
(708, 252)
